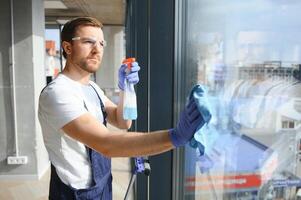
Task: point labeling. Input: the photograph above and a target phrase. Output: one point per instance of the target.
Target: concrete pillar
(107, 75)
(29, 27)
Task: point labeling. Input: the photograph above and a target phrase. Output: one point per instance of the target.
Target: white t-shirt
(61, 102)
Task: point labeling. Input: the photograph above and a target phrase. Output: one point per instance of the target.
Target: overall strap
(104, 113)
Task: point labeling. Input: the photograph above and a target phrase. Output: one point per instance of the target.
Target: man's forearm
(90, 132)
(132, 144)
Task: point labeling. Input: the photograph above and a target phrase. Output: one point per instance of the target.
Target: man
(73, 112)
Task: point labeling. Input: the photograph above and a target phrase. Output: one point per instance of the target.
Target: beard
(90, 66)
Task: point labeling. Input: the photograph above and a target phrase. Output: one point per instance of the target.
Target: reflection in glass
(248, 55)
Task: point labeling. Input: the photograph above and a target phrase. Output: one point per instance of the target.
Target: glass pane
(52, 63)
(248, 55)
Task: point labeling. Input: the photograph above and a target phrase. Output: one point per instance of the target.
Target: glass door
(248, 56)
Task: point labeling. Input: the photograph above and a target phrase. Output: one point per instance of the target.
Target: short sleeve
(59, 105)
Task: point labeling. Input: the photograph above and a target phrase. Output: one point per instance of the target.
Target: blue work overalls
(101, 188)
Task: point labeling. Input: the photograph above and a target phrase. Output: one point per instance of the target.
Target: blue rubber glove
(205, 163)
(190, 120)
(131, 76)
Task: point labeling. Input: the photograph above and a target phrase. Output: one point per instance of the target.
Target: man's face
(87, 48)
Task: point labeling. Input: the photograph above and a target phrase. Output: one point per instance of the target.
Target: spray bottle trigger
(128, 62)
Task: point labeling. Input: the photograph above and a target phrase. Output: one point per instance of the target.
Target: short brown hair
(71, 26)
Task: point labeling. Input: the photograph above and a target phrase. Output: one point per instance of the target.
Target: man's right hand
(190, 120)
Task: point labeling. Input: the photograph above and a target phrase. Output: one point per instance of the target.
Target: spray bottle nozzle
(128, 62)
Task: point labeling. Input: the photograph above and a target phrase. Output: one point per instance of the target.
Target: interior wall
(114, 52)
(28, 16)
(6, 125)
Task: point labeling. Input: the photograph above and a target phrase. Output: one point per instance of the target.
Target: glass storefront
(248, 55)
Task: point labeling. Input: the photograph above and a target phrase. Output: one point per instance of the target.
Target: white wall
(29, 80)
(114, 53)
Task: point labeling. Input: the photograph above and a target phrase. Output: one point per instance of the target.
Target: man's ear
(67, 47)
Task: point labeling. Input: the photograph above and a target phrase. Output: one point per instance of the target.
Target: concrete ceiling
(109, 12)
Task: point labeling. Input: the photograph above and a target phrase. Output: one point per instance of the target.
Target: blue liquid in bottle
(130, 113)
(130, 102)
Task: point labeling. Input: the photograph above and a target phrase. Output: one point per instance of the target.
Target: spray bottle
(130, 102)
(130, 112)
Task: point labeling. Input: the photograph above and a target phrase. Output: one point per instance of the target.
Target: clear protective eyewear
(92, 42)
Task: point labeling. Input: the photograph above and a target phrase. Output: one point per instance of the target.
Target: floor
(38, 190)
(17, 190)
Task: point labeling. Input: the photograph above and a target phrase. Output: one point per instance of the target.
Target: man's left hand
(131, 76)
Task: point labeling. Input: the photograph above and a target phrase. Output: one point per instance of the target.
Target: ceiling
(109, 12)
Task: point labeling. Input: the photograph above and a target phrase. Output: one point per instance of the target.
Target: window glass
(53, 60)
(248, 55)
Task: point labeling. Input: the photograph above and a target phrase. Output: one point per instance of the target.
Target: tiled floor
(121, 176)
(17, 190)
(38, 190)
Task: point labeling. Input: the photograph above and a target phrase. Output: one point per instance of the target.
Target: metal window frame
(179, 94)
(150, 38)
